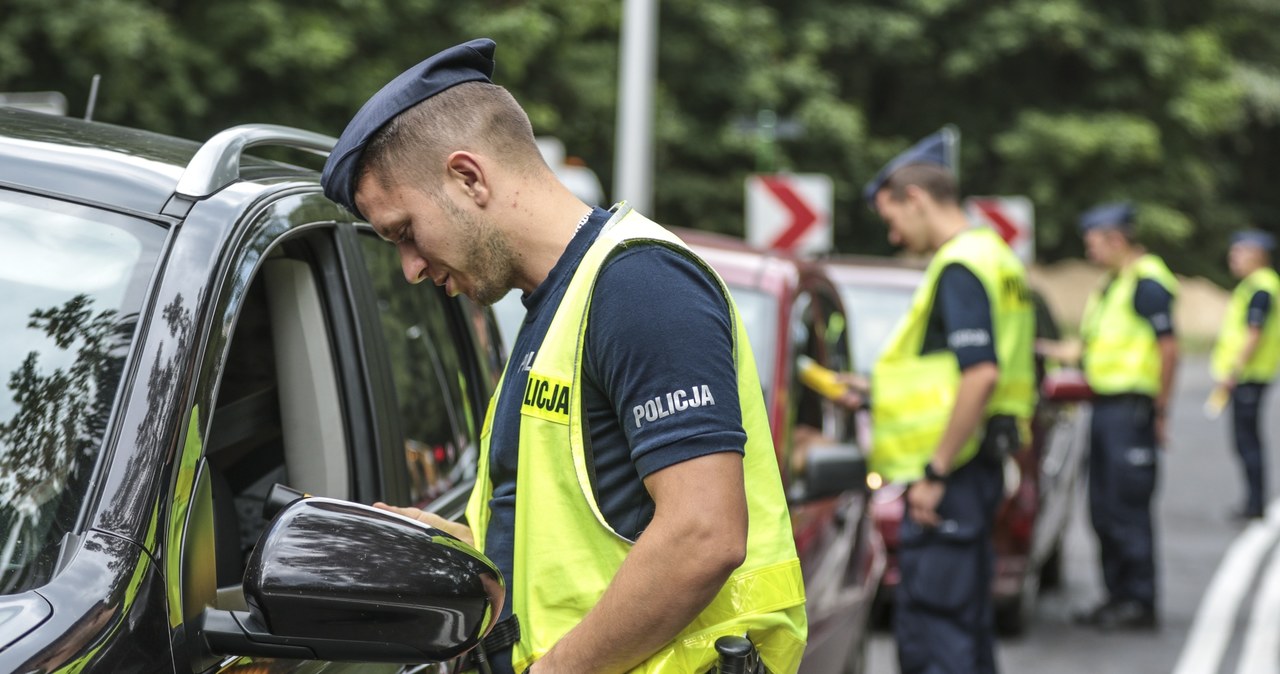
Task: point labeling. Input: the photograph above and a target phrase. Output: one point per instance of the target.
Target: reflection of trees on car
(52, 437)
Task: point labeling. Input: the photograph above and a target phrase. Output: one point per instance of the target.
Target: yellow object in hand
(1216, 401)
(821, 379)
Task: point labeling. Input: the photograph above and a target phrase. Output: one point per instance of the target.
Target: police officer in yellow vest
(1247, 354)
(952, 396)
(627, 484)
(1130, 355)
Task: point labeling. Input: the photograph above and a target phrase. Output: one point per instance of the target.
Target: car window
(808, 328)
(424, 341)
(73, 280)
(509, 312)
(875, 312)
(759, 312)
(278, 417)
(486, 334)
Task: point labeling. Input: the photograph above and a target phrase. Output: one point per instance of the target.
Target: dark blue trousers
(1123, 466)
(1246, 399)
(943, 619)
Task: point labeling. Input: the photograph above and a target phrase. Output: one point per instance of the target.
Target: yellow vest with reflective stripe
(912, 395)
(1262, 364)
(1120, 351)
(566, 554)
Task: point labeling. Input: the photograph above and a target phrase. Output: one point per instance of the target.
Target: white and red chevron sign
(1012, 217)
(789, 211)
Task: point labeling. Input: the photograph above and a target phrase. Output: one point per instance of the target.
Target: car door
(831, 532)
(285, 384)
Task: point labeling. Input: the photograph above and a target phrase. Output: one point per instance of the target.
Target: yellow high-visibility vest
(1120, 351)
(912, 394)
(1262, 365)
(566, 553)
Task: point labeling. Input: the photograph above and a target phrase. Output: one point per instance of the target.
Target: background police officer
(951, 391)
(1130, 355)
(623, 540)
(1247, 354)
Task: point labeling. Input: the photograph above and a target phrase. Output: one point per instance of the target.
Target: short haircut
(474, 116)
(938, 181)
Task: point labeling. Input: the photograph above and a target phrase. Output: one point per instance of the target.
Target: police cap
(1255, 237)
(468, 62)
(931, 149)
(1119, 215)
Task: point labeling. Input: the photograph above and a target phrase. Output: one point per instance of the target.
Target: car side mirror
(1065, 385)
(832, 469)
(340, 581)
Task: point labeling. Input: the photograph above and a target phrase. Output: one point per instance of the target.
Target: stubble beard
(494, 272)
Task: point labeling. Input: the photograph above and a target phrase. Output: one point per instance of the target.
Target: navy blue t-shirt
(1259, 307)
(658, 340)
(1154, 302)
(960, 319)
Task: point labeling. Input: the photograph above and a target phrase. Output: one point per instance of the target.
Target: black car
(183, 327)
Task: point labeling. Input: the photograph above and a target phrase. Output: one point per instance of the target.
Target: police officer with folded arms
(629, 541)
(1130, 356)
(1247, 354)
(954, 391)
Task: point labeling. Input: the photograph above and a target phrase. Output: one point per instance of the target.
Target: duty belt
(503, 636)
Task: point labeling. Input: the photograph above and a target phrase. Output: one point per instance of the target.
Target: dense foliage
(1172, 103)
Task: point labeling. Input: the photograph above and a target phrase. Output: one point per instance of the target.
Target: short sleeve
(660, 348)
(965, 311)
(1259, 309)
(1154, 302)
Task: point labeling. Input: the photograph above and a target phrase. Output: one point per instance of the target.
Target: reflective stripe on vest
(913, 394)
(566, 554)
(1262, 365)
(1120, 351)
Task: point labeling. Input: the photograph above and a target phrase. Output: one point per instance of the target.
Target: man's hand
(1065, 351)
(459, 531)
(923, 497)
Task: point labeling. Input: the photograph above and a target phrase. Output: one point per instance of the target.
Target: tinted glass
(759, 313)
(420, 326)
(73, 280)
(875, 312)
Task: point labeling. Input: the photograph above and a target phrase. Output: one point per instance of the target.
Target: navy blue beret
(1118, 215)
(932, 149)
(468, 62)
(1255, 237)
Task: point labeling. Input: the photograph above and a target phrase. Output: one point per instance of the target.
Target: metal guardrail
(217, 162)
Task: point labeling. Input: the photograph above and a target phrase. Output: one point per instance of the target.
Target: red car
(1039, 483)
(791, 309)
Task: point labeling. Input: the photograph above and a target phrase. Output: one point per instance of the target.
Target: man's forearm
(660, 588)
(977, 383)
(1168, 368)
(695, 541)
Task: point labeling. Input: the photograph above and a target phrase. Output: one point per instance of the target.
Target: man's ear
(468, 172)
(917, 195)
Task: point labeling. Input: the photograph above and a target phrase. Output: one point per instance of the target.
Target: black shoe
(1127, 615)
(1092, 616)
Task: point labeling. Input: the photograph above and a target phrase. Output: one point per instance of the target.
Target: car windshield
(73, 279)
(759, 312)
(875, 312)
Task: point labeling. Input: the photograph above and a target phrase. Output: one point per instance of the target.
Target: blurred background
(1174, 104)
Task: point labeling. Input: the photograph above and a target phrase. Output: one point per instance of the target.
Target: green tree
(1174, 104)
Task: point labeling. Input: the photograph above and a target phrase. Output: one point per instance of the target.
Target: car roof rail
(217, 163)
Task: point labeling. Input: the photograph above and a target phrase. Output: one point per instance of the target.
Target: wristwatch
(931, 475)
